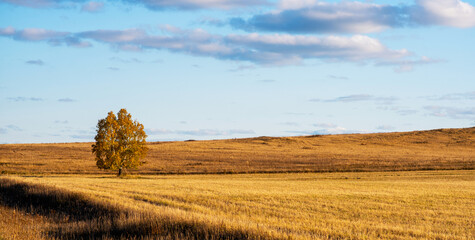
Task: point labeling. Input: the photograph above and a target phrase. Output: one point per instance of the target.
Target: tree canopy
(120, 142)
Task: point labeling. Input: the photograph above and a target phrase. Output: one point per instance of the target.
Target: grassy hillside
(391, 205)
(55, 191)
(420, 150)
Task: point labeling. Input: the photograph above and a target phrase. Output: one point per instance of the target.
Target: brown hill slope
(419, 150)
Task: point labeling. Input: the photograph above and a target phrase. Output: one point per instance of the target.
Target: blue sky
(214, 69)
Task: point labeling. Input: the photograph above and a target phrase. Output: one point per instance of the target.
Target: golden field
(376, 205)
(441, 149)
(411, 185)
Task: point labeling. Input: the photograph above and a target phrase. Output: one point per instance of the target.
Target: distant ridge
(396, 151)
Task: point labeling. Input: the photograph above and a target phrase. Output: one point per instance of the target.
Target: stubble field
(317, 187)
(390, 205)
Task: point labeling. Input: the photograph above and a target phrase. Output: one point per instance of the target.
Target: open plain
(317, 187)
(441, 149)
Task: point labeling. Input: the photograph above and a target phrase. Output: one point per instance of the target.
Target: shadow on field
(52, 203)
(74, 216)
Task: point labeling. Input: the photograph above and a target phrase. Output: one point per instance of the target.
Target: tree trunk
(121, 173)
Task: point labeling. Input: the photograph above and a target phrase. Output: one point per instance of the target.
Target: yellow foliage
(120, 142)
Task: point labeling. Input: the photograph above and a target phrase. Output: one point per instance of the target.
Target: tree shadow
(52, 203)
(77, 217)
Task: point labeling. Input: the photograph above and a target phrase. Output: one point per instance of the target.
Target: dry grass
(377, 205)
(66, 214)
(420, 150)
(18, 224)
(363, 200)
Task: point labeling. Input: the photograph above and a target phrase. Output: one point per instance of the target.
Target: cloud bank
(196, 4)
(299, 16)
(453, 13)
(309, 16)
(322, 17)
(305, 16)
(150, 4)
(54, 38)
(451, 112)
(263, 49)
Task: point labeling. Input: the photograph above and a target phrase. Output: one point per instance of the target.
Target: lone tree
(120, 142)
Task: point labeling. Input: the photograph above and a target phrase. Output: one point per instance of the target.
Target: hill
(419, 150)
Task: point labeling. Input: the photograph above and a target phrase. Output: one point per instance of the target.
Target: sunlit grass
(359, 189)
(392, 205)
(442, 149)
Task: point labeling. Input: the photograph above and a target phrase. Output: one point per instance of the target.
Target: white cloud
(284, 48)
(385, 127)
(92, 7)
(115, 36)
(35, 34)
(24, 99)
(256, 48)
(296, 4)
(66, 100)
(317, 16)
(295, 124)
(87, 137)
(32, 3)
(453, 13)
(359, 98)
(151, 4)
(353, 98)
(199, 132)
(453, 97)
(113, 68)
(406, 112)
(14, 128)
(334, 130)
(265, 49)
(38, 62)
(451, 112)
(214, 132)
(326, 130)
(10, 128)
(54, 38)
(197, 4)
(122, 60)
(312, 16)
(325, 125)
(336, 77)
(305, 15)
(407, 65)
(61, 122)
(155, 131)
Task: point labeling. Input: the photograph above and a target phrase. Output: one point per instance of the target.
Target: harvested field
(421, 150)
(389, 205)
